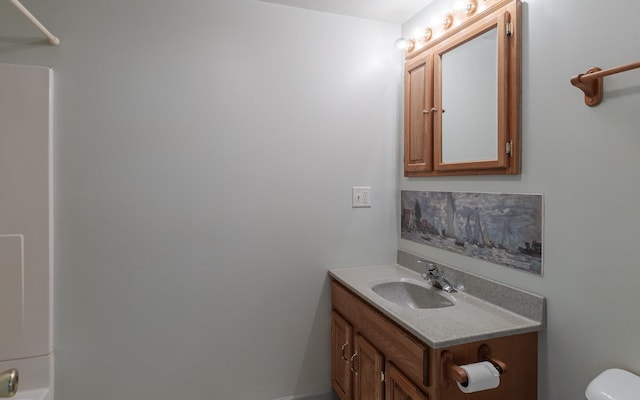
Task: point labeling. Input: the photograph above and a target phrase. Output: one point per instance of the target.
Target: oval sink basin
(411, 295)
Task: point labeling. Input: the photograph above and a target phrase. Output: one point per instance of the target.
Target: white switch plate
(361, 197)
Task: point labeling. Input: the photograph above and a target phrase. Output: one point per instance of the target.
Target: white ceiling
(394, 11)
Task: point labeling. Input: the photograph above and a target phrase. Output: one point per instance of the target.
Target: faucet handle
(430, 266)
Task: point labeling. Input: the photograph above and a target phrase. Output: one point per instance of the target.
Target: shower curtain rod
(52, 38)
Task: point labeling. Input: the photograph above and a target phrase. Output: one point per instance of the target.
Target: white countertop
(469, 320)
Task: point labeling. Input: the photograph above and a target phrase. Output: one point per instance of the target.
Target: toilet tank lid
(614, 384)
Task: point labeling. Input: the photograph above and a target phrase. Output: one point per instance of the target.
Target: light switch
(361, 197)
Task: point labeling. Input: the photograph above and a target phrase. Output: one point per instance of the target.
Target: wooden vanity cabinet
(373, 358)
(355, 363)
(519, 382)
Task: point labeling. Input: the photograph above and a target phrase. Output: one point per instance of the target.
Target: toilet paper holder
(452, 371)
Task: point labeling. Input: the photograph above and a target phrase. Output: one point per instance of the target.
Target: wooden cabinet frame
(423, 97)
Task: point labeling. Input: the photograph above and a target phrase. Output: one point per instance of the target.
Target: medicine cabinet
(462, 97)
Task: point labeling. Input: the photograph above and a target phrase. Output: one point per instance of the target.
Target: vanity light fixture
(447, 20)
(408, 45)
(423, 35)
(472, 6)
(405, 44)
(467, 7)
(460, 12)
(428, 33)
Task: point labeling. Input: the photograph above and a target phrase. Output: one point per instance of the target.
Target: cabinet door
(341, 346)
(471, 75)
(398, 387)
(367, 371)
(418, 125)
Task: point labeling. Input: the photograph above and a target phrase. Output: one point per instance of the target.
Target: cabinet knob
(425, 111)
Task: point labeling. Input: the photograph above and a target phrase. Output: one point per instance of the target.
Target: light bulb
(423, 34)
(447, 20)
(405, 44)
(470, 6)
(428, 33)
(467, 7)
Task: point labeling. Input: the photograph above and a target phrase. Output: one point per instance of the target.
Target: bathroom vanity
(382, 349)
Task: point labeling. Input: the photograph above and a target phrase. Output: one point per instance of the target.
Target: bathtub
(35, 394)
(36, 377)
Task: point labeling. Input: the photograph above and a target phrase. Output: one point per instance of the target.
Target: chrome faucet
(436, 278)
(8, 382)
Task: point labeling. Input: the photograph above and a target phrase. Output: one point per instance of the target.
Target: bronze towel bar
(591, 82)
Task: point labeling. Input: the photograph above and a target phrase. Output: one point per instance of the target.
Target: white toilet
(614, 384)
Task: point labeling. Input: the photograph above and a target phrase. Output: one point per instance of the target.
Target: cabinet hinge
(381, 376)
(509, 148)
(509, 28)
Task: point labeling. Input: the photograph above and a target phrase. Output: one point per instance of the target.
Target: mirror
(462, 98)
(470, 100)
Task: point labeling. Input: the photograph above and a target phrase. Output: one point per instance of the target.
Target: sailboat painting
(504, 229)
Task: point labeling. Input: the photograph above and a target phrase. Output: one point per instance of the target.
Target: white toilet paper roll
(481, 376)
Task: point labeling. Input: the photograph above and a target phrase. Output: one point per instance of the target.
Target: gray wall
(585, 162)
(204, 157)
